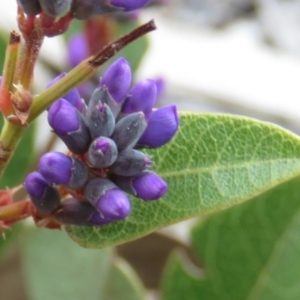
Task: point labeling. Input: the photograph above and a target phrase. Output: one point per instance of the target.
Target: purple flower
(62, 117)
(128, 130)
(111, 203)
(44, 196)
(162, 126)
(59, 168)
(146, 185)
(75, 212)
(141, 97)
(131, 162)
(117, 79)
(112, 206)
(77, 49)
(99, 116)
(149, 186)
(70, 125)
(129, 5)
(102, 153)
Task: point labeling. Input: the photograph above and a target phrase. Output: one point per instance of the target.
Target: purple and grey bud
(141, 97)
(45, 197)
(131, 162)
(59, 168)
(111, 203)
(70, 125)
(102, 95)
(129, 130)
(147, 185)
(102, 153)
(99, 116)
(73, 96)
(30, 7)
(162, 126)
(75, 212)
(85, 9)
(117, 79)
(55, 8)
(129, 5)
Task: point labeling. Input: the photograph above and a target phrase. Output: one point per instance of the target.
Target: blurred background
(226, 56)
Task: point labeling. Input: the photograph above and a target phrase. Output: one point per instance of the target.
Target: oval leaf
(56, 268)
(214, 161)
(250, 251)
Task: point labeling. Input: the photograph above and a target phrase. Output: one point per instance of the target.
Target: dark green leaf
(215, 161)
(250, 251)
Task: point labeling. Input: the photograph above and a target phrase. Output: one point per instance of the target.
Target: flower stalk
(11, 57)
(85, 70)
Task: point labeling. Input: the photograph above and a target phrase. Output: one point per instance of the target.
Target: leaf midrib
(225, 167)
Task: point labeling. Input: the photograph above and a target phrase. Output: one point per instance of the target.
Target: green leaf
(250, 251)
(122, 283)
(56, 268)
(21, 159)
(214, 161)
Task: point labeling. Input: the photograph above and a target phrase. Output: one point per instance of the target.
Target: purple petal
(117, 79)
(56, 167)
(129, 5)
(62, 117)
(78, 49)
(149, 186)
(141, 97)
(162, 126)
(36, 184)
(114, 205)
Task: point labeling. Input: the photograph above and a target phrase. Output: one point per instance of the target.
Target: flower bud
(141, 97)
(129, 130)
(59, 168)
(130, 162)
(30, 7)
(55, 8)
(100, 118)
(101, 95)
(110, 201)
(129, 5)
(75, 212)
(162, 126)
(73, 96)
(45, 197)
(69, 124)
(147, 185)
(117, 79)
(102, 153)
(85, 9)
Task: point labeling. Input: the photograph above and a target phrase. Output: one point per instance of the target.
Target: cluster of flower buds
(104, 138)
(80, 9)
